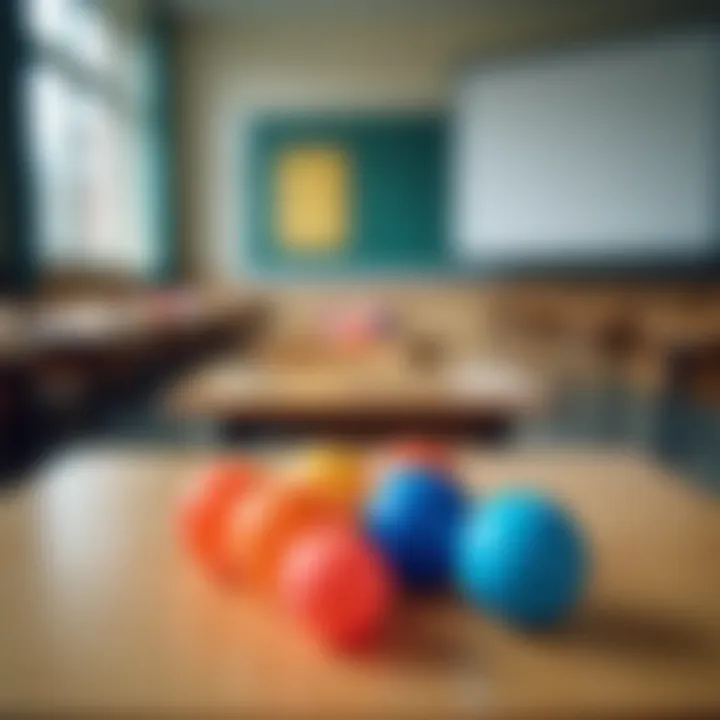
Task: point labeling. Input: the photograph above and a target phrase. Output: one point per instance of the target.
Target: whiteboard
(595, 153)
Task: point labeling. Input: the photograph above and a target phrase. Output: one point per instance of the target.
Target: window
(84, 122)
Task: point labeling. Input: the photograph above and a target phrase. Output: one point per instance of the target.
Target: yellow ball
(337, 474)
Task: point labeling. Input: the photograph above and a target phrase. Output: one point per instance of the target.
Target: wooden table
(63, 363)
(111, 339)
(102, 611)
(467, 397)
(136, 321)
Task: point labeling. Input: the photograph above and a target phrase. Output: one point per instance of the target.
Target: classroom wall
(231, 69)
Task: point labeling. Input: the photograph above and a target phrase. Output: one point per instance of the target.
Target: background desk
(481, 400)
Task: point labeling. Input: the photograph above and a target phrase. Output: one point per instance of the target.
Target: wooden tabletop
(102, 611)
(29, 329)
(136, 319)
(239, 389)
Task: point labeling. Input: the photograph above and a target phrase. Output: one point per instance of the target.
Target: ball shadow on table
(432, 634)
(440, 634)
(632, 633)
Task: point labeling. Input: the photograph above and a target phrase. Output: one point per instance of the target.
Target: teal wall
(399, 201)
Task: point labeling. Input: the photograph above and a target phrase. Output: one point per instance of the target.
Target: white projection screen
(598, 153)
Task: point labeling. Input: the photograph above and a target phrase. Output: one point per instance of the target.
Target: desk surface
(101, 610)
(107, 324)
(240, 389)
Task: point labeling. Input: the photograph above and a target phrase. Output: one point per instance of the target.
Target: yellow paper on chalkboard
(313, 198)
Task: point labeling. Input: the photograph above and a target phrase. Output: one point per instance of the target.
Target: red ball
(425, 453)
(338, 587)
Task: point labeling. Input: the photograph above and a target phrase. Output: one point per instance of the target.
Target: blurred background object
(290, 187)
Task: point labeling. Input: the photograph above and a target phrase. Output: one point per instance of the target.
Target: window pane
(100, 187)
(81, 174)
(49, 98)
(49, 20)
(90, 36)
(81, 137)
(78, 27)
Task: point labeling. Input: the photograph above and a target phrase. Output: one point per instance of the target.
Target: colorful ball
(266, 524)
(335, 583)
(523, 559)
(425, 453)
(205, 509)
(413, 519)
(336, 474)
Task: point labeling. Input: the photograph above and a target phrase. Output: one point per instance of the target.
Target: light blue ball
(522, 559)
(413, 519)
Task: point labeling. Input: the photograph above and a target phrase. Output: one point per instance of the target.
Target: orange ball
(266, 524)
(338, 587)
(205, 510)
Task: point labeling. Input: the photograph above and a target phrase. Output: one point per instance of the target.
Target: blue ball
(522, 559)
(413, 519)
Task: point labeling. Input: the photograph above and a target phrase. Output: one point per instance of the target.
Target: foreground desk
(101, 611)
(481, 400)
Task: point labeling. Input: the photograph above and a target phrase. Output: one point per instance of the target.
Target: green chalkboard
(399, 186)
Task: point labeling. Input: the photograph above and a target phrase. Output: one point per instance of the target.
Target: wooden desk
(64, 364)
(475, 398)
(112, 339)
(102, 611)
(630, 331)
(134, 321)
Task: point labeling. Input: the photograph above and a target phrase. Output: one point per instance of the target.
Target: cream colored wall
(229, 69)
